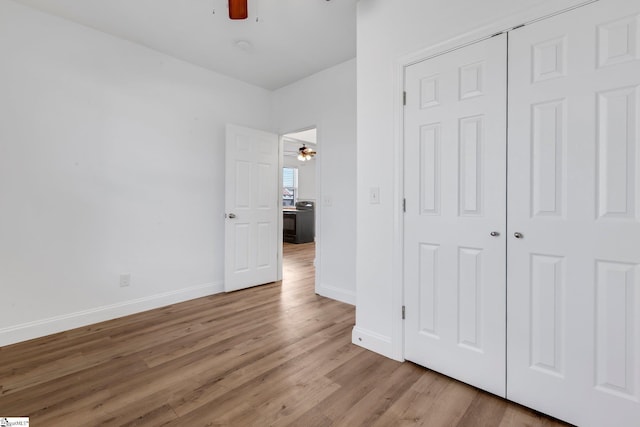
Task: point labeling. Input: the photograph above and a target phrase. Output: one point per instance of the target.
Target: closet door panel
(573, 340)
(455, 184)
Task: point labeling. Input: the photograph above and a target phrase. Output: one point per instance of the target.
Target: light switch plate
(374, 195)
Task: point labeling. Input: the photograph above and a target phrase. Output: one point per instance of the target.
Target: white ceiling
(308, 136)
(291, 39)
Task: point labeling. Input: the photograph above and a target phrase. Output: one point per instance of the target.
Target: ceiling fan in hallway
(305, 153)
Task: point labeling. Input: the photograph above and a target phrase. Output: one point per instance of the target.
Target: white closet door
(455, 154)
(574, 197)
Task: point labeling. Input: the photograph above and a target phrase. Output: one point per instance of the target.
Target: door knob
(494, 234)
(232, 215)
(518, 235)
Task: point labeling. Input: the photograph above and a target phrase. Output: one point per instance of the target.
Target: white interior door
(455, 156)
(574, 197)
(251, 207)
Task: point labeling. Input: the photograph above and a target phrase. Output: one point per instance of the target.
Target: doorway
(299, 205)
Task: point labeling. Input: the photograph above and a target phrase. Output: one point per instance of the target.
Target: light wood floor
(273, 355)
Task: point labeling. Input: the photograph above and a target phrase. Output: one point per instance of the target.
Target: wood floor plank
(354, 386)
(59, 392)
(375, 403)
(451, 405)
(485, 411)
(276, 354)
(415, 404)
(519, 416)
(254, 382)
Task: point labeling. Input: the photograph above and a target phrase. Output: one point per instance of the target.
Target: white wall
(388, 34)
(327, 100)
(111, 161)
(306, 176)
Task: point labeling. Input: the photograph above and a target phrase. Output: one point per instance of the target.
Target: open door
(251, 208)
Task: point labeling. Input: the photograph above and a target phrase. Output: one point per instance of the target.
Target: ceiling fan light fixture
(305, 153)
(238, 9)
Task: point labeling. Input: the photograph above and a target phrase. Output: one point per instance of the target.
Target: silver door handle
(494, 234)
(518, 235)
(232, 215)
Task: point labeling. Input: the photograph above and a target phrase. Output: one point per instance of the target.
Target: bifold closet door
(455, 155)
(573, 274)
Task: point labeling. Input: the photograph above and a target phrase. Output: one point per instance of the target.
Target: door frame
(542, 11)
(317, 208)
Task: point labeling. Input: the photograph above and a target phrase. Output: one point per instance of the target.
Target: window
(289, 186)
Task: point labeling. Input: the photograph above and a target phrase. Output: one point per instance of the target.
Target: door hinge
(404, 205)
(404, 98)
(403, 312)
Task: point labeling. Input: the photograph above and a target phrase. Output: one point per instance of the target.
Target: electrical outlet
(125, 280)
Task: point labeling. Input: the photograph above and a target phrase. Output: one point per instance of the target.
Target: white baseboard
(65, 322)
(337, 294)
(373, 341)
